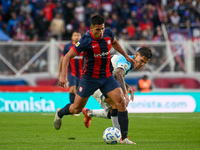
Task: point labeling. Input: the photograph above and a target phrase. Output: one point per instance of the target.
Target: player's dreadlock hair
(145, 51)
(97, 19)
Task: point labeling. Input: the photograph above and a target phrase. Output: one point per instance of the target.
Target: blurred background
(34, 32)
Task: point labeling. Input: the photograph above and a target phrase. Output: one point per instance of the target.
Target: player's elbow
(66, 59)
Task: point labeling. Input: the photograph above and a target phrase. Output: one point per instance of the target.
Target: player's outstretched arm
(118, 48)
(65, 63)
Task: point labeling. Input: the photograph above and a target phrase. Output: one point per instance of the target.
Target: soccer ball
(112, 135)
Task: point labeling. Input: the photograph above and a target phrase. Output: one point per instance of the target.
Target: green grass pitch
(153, 131)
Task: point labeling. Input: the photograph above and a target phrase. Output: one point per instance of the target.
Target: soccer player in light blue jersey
(121, 68)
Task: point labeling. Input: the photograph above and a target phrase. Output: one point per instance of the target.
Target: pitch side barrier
(154, 102)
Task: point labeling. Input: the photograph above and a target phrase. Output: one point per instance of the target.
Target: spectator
(80, 11)
(116, 23)
(125, 13)
(90, 9)
(107, 5)
(69, 31)
(144, 84)
(108, 20)
(196, 6)
(83, 28)
(148, 33)
(28, 21)
(196, 23)
(153, 15)
(58, 9)
(15, 7)
(130, 29)
(175, 19)
(31, 32)
(41, 24)
(48, 10)
(69, 12)
(159, 35)
(163, 11)
(138, 34)
(133, 17)
(38, 7)
(181, 10)
(21, 36)
(21, 16)
(145, 23)
(75, 22)
(26, 7)
(12, 23)
(57, 27)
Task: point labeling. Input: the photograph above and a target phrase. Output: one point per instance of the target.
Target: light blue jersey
(119, 61)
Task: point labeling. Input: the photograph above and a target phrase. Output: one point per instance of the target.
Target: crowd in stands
(39, 20)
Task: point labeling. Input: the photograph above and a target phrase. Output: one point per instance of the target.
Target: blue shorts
(88, 85)
(73, 80)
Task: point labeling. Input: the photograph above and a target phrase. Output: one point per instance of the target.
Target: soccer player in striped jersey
(121, 68)
(75, 67)
(97, 74)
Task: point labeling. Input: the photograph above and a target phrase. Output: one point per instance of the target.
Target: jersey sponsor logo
(80, 89)
(77, 44)
(102, 54)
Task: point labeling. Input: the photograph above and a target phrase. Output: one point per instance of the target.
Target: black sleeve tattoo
(119, 76)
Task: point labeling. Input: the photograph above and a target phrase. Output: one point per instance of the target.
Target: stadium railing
(32, 61)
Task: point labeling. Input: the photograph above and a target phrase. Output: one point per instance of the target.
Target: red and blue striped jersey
(76, 64)
(97, 53)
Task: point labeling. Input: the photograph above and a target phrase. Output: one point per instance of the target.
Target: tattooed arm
(119, 76)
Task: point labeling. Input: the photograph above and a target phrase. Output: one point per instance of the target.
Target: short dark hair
(145, 51)
(76, 31)
(97, 19)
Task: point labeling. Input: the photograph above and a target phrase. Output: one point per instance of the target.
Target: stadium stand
(30, 20)
(132, 21)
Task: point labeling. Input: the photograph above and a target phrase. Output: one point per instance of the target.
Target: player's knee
(121, 103)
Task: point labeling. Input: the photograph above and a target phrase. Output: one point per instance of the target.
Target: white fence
(25, 59)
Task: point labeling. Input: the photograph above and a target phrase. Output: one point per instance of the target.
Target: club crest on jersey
(109, 42)
(125, 66)
(80, 89)
(77, 44)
